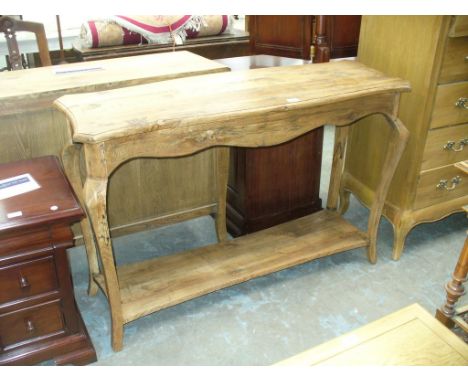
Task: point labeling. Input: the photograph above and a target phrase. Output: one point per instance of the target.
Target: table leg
(394, 151)
(454, 288)
(339, 151)
(71, 164)
(222, 173)
(95, 195)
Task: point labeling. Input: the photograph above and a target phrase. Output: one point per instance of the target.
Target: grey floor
(271, 318)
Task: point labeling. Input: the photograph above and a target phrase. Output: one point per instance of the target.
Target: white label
(17, 185)
(14, 214)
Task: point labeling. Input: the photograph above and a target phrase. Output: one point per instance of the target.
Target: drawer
(428, 193)
(30, 324)
(455, 62)
(445, 146)
(459, 26)
(20, 242)
(446, 112)
(27, 279)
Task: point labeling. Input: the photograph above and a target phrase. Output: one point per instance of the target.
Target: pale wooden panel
(148, 188)
(434, 153)
(408, 52)
(455, 63)
(36, 88)
(31, 135)
(445, 112)
(459, 26)
(162, 282)
(408, 337)
(161, 106)
(428, 194)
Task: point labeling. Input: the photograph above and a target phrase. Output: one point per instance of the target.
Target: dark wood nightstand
(39, 319)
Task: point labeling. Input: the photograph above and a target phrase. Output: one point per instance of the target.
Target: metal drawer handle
(24, 283)
(462, 103)
(452, 145)
(30, 326)
(443, 184)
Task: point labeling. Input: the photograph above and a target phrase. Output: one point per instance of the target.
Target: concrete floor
(271, 318)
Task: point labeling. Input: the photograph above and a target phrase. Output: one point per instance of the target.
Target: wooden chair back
(9, 26)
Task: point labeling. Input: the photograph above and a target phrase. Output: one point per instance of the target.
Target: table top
(23, 87)
(101, 116)
(410, 336)
(54, 201)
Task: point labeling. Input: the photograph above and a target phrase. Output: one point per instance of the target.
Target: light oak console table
(255, 108)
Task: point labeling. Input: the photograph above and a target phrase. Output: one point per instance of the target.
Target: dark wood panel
(288, 36)
(336, 37)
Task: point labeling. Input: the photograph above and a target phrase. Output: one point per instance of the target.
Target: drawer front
(445, 146)
(428, 193)
(30, 324)
(446, 111)
(27, 279)
(459, 26)
(455, 63)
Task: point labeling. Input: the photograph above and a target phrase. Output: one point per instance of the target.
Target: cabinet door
(287, 36)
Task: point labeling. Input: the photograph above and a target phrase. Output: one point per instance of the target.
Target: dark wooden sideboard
(39, 319)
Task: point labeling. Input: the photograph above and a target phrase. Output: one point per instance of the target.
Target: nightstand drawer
(440, 185)
(29, 324)
(455, 63)
(27, 279)
(451, 105)
(445, 146)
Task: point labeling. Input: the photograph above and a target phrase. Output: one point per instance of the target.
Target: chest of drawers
(432, 53)
(39, 319)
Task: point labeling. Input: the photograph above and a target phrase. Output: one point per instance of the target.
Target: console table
(253, 108)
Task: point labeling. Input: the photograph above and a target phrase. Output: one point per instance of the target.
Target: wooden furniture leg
(400, 230)
(95, 194)
(395, 149)
(222, 175)
(71, 164)
(339, 151)
(454, 288)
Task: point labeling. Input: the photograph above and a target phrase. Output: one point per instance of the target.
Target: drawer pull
(452, 145)
(30, 326)
(24, 283)
(462, 103)
(443, 184)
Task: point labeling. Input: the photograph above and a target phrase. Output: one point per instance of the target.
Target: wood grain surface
(219, 98)
(408, 337)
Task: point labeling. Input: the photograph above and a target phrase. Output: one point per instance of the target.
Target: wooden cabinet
(287, 36)
(39, 319)
(430, 52)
